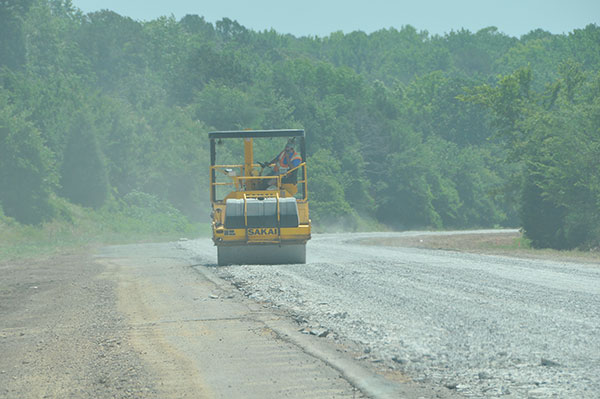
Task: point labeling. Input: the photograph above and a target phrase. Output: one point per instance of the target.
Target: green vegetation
(139, 217)
(555, 136)
(405, 130)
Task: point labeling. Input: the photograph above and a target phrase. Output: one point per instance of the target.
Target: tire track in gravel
(484, 326)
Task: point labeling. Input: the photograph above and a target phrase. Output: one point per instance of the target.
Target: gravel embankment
(485, 326)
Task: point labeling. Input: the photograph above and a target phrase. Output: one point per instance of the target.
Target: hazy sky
(321, 17)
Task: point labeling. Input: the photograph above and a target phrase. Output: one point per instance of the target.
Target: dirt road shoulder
(501, 242)
(61, 335)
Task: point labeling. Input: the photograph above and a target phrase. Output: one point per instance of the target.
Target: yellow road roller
(259, 209)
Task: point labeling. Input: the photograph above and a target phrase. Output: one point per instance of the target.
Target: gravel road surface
(480, 326)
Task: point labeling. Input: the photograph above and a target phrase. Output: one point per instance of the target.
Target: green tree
(202, 65)
(174, 160)
(474, 53)
(480, 185)
(225, 108)
(405, 197)
(114, 46)
(83, 171)
(329, 207)
(27, 174)
(12, 33)
(49, 101)
(432, 107)
(51, 27)
(555, 137)
(566, 166)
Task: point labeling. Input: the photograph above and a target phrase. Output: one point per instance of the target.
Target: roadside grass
(501, 243)
(77, 229)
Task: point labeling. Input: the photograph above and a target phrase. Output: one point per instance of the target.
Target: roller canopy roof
(256, 133)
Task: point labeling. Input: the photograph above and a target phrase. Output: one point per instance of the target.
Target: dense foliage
(404, 129)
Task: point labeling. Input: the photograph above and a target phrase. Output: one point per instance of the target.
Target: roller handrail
(237, 181)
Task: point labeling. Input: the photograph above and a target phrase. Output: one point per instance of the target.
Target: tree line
(404, 129)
